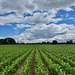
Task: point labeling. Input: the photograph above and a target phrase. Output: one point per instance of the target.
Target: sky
(32, 21)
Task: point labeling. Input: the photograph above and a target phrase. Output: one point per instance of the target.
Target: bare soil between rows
(48, 72)
(31, 70)
(20, 67)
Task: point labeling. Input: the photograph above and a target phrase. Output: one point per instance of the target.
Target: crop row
(65, 66)
(39, 65)
(8, 61)
(54, 68)
(25, 69)
(37, 60)
(9, 70)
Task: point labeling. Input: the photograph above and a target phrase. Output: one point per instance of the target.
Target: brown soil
(31, 70)
(20, 67)
(46, 68)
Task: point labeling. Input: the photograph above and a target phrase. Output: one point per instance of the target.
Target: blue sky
(36, 22)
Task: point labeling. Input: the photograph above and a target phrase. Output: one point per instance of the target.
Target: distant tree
(10, 40)
(22, 43)
(54, 42)
(48, 42)
(3, 41)
(69, 42)
(44, 42)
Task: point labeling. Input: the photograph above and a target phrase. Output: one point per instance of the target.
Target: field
(37, 59)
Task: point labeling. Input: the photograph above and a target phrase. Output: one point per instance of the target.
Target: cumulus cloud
(41, 31)
(44, 32)
(23, 26)
(39, 18)
(1, 37)
(17, 5)
(9, 19)
(53, 4)
(25, 6)
(35, 19)
(31, 5)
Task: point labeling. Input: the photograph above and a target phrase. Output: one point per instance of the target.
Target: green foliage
(25, 69)
(7, 41)
(39, 66)
(59, 59)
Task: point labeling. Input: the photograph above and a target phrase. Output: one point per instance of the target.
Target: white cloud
(71, 18)
(1, 37)
(53, 4)
(67, 9)
(19, 6)
(22, 6)
(44, 32)
(41, 31)
(67, 15)
(9, 19)
(23, 26)
(39, 18)
(35, 19)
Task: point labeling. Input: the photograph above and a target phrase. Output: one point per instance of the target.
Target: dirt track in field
(31, 70)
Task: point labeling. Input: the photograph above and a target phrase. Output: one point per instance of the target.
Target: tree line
(7, 41)
(12, 41)
(54, 42)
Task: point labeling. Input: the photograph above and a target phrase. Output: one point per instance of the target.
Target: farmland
(37, 59)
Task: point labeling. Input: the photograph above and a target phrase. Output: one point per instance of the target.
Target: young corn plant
(39, 66)
(9, 70)
(24, 70)
(54, 68)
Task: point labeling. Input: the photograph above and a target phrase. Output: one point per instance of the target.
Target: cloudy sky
(37, 20)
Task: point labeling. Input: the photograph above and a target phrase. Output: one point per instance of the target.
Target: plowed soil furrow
(20, 67)
(31, 70)
(46, 68)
